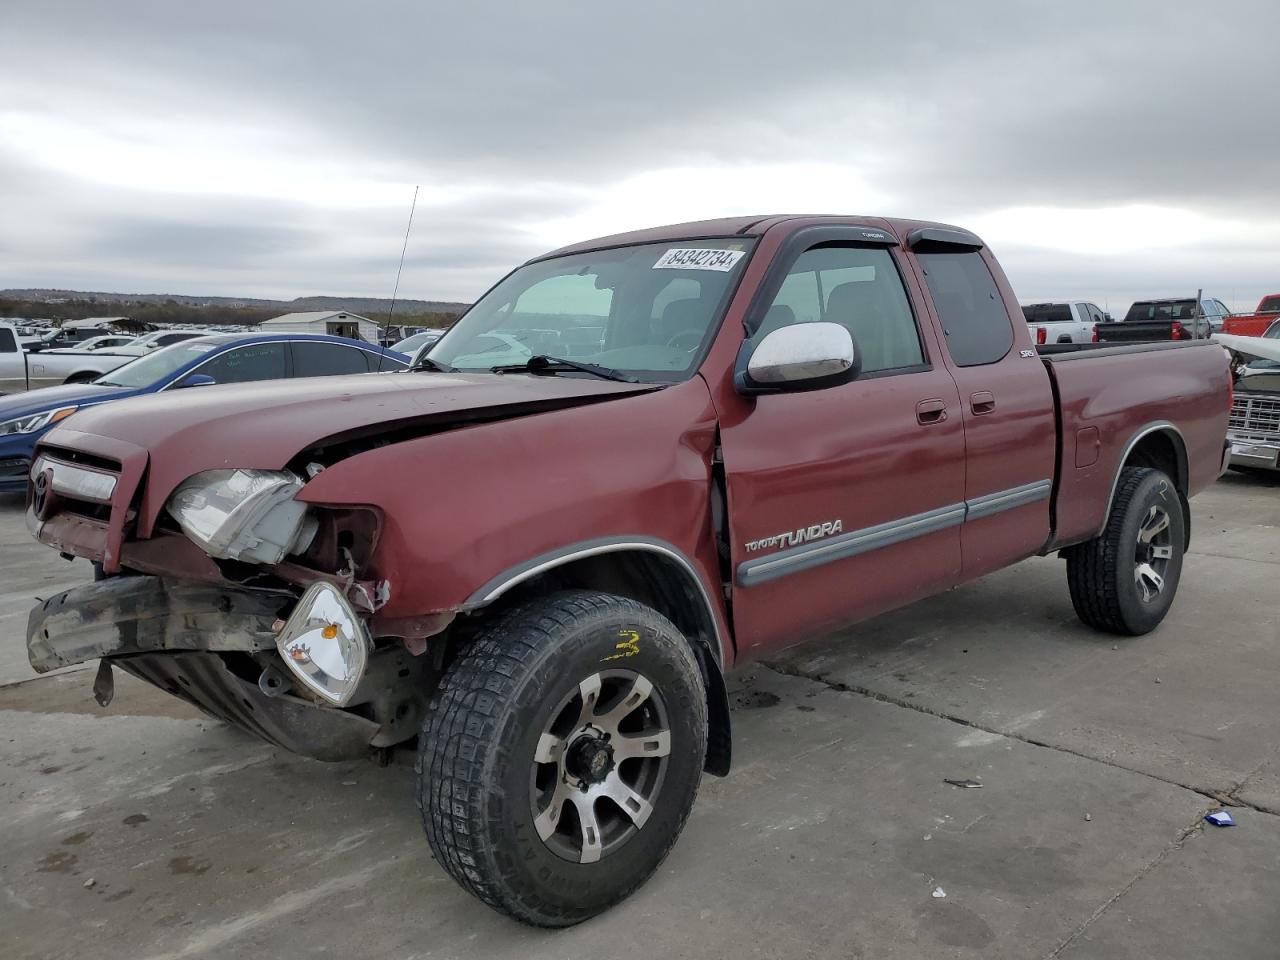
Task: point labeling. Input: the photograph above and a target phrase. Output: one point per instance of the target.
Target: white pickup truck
(21, 371)
(1063, 321)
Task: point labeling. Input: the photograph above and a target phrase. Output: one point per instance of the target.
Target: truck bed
(1103, 390)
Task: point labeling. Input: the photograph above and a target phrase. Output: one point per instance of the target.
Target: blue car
(230, 358)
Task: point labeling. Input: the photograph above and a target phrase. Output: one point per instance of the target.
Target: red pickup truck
(633, 464)
(1254, 324)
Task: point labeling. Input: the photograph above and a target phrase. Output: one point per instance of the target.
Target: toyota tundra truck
(541, 567)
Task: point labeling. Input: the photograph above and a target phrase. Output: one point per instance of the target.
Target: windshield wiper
(540, 363)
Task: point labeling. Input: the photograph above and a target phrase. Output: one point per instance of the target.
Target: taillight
(1094, 339)
(1176, 332)
(1042, 335)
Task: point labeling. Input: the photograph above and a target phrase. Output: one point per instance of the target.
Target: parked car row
(196, 362)
(1147, 321)
(1175, 318)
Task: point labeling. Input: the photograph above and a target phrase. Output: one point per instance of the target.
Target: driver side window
(858, 288)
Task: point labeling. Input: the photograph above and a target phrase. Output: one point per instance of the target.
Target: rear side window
(858, 288)
(7, 342)
(969, 305)
(258, 361)
(1047, 312)
(327, 360)
(1270, 305)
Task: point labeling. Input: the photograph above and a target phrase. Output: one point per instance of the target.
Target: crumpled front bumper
(176, 635)
(120, 616)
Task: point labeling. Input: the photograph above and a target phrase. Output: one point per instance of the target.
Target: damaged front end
(303, 674)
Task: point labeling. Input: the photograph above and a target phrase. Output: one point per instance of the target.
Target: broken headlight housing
(325, 644)
(248, 515)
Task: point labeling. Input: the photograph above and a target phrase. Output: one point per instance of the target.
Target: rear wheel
(561, 756)
(1124, 581)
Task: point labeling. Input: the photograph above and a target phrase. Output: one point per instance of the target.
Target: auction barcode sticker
(698, 258)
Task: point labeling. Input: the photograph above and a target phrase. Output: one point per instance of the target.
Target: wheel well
(82, 376)
(664, 584)
(1163, 450)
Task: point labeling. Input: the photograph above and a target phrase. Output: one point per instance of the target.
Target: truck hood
(266, 425)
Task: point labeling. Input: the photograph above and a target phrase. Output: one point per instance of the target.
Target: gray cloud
(513, 115)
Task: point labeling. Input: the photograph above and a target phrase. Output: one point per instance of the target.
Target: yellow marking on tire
(627, 648)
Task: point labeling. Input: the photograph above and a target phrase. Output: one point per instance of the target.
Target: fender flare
(1180, 451)
(711, 658)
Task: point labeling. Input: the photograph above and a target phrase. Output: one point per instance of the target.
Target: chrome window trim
(500, 584)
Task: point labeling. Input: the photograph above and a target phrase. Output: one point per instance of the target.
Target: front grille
(1255, 418)
(82, 506)
(81, 458)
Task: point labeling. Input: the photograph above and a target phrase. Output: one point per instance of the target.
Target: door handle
(931, 411)
(982, 402)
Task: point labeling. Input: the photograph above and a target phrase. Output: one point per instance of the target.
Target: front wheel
(561, 756)
(1124, 581)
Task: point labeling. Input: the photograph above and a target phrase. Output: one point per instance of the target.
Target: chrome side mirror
(799, 356)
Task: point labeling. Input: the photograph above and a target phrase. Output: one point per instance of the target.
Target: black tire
(1110, 590)
(479, 784)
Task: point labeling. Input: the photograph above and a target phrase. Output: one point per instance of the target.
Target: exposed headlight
(34, 421)
(325, 644)
(245, 515)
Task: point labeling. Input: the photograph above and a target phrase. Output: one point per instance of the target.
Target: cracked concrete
(1085, 841)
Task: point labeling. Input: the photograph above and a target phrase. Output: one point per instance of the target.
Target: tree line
(171, 311)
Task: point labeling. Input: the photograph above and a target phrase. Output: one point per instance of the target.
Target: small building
(338, 323)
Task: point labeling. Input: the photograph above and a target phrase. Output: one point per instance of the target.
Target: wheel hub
(1152, 554)
(589, 758)
(598, 765)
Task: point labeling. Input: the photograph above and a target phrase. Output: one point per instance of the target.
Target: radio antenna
(399, 270)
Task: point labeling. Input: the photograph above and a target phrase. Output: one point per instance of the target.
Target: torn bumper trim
(121, 616)
(296, 725)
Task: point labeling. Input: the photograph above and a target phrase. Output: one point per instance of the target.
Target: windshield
(647, 311)
(410, 344)
(154, 367)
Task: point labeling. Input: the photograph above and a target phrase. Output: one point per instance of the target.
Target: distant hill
(369, 306)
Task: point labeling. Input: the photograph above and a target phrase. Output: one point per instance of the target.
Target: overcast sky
(1104, 150)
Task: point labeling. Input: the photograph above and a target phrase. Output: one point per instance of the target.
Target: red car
(635, 463)
(1254, 324)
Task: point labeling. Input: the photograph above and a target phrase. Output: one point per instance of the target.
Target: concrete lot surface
(1098, 758)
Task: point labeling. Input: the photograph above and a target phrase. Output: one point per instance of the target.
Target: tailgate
(1137, 331)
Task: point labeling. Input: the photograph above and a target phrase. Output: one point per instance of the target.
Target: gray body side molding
(856, 542)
